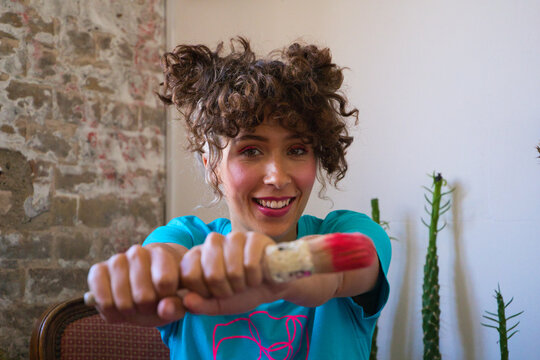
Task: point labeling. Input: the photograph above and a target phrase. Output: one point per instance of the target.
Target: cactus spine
(430, 296)
(500, 319)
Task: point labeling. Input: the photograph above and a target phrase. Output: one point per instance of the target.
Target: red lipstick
(270, 212)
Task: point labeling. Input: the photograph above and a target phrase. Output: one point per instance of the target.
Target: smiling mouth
(274, 204)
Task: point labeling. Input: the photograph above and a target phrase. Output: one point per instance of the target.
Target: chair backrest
(72, 330)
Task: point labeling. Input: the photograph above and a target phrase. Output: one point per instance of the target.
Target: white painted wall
(452, 87)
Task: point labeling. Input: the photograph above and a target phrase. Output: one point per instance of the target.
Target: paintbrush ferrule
(288, 261)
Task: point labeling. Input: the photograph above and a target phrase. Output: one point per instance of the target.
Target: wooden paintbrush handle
(89, 299)
(287, 261)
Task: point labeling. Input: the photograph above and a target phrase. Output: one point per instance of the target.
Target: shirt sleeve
(187, 231)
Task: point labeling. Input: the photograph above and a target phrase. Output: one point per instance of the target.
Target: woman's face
(267, 176)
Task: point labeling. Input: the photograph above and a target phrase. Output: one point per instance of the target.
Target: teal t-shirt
(338, 329)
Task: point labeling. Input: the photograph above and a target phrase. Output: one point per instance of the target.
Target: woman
(265, 129)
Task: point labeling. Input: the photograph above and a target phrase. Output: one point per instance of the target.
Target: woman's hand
(225, 275)
(139, 286)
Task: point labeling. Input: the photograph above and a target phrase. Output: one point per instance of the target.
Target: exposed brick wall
(82, 162)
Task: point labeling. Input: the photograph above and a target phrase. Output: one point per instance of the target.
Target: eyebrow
(261, 138)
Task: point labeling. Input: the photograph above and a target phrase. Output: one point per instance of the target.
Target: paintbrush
(310, 255)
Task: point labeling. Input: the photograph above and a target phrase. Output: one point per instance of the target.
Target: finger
(192, 274)
(164, 272)
(213, 266)
(142, 288)
(171, 309)
(197, 304)
(233, 253)
(118, 267)
(99, 284)
(236, 304)
(253, 257)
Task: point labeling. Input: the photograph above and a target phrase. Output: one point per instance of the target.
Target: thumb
(171, 309)
(196, 304)
(236, 304)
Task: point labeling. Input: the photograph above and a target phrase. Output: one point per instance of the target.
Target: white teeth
(273, 204)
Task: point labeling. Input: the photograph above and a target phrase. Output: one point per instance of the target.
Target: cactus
(373, 353)
(375, 213)
(430, 296)
(375, 216)
(501, 320)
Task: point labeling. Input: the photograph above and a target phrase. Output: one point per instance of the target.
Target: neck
(289, 235)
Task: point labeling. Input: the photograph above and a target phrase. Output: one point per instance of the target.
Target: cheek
(239, 179)
(306, 175)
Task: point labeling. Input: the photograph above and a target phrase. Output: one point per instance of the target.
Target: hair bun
(308, 61)
(187, 71)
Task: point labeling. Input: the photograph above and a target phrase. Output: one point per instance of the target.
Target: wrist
(312, 291)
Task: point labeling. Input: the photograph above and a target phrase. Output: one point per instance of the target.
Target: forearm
(318, 289)
(359, 281)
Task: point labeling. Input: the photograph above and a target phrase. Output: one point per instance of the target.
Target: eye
(249, 151)
(298, 150)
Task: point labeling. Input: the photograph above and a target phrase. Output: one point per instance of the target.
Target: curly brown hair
(220, 95)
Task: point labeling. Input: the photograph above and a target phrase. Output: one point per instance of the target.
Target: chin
(276, 228)
(279, 235)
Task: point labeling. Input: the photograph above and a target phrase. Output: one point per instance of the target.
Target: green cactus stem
(430, 297)
(375, 216)
(375, 213)
(501, 320)
(374, 348)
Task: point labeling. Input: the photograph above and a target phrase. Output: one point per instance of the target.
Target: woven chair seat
(74, 331)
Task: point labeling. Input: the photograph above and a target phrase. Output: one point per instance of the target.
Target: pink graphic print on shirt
(289, 329)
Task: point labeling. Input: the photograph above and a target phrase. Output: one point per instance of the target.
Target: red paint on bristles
(350, 251)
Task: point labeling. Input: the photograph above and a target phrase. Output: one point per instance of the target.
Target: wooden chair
(72, 330)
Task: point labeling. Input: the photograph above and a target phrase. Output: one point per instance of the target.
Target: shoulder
(335, 221)
(187, 231)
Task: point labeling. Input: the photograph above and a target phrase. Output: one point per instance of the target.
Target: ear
(205, 160)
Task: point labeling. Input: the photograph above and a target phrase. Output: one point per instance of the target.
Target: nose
(277, 173)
